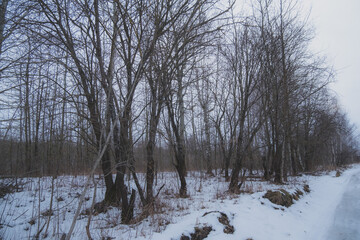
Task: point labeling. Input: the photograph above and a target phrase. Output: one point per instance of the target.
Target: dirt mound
(280, 197)
(284, 198)
(202, 232)
(224, 220)
(199, 234)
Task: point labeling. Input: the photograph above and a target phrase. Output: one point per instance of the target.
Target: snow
(346, 221)
(252, 216)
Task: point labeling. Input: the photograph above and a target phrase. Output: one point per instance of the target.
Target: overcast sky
(337, 24)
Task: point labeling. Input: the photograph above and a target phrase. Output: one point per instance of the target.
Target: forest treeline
(165, 85)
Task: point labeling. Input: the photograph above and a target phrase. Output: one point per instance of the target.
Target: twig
(21, 215)
(40, 230)
(159, 190)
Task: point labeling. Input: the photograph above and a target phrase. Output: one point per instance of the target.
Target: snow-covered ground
(346, 224)
(23, 214)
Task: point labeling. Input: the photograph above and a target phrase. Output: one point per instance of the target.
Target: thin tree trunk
(3, 9)
(27, 128)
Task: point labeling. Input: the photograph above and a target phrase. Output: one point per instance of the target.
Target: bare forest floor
(25, 213)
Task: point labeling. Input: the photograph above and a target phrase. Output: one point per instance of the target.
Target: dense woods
(165, 85)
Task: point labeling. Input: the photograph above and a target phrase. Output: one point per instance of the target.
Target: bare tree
(188, 37)
(203, 86)
(225, 117)
(243, 69)
(287, 69)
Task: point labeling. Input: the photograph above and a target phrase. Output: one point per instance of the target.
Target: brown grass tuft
(306, 188)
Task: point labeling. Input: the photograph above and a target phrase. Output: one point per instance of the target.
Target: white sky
(337, 24)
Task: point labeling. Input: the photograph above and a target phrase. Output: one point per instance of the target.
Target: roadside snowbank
(256, 218)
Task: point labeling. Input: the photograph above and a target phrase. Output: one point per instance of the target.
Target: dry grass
(306, 188)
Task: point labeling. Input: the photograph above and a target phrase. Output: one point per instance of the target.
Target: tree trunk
(150, 168)
(181, 169)
(234, 180)
(278, 165)
(3, 8)
(28, 162)
(227, 158)
(208, 140)
(153, 125)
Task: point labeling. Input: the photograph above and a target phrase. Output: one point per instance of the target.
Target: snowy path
(346, 224)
